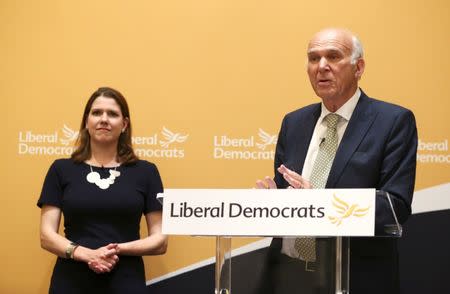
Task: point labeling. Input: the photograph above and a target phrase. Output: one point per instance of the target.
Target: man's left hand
(295, 180)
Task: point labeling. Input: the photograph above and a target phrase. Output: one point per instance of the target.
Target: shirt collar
(345, 110)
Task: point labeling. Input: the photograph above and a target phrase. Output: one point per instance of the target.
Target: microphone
(322, 140)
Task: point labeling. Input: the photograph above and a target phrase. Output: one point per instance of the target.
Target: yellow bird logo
(345, 210)
(69, 135)
(171, 137)
(266, 139)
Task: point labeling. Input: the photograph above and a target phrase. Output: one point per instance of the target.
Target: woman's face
(105, 121)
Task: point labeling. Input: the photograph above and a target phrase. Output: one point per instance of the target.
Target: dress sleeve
(51, 193)
(155, 186)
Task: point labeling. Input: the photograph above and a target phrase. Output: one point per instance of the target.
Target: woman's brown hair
(125, 152)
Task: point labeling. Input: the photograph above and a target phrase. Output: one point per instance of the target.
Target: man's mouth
(323, 82)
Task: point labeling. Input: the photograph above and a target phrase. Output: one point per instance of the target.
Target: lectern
(331, 216)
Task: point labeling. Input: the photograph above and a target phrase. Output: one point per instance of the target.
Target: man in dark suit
(376, 148)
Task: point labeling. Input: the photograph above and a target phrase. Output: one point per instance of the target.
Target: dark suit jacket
(377, 150)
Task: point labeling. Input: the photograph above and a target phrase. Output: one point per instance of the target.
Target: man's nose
(323, 63)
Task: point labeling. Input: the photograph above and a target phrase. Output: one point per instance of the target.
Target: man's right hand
(267, 183)
(294, 180)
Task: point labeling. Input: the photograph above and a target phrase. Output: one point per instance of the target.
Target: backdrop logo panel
(247, 148)
(167, 144)
(58, 143)
(433, 152)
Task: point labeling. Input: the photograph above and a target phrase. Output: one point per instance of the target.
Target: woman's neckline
(102, 166)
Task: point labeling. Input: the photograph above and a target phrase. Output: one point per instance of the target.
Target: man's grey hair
(357, 50)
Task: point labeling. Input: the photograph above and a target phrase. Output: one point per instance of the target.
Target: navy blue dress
(94, 218)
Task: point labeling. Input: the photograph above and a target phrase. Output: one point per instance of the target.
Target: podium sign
(277, 212)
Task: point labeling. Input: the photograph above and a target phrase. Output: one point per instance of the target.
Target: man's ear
(360, 66)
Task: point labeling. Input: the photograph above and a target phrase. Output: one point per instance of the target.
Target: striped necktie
(305, 246)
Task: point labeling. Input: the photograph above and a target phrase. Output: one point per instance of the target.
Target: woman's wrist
(80, 254)
(122, 248)
(70, 250)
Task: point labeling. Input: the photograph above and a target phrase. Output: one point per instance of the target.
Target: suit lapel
(360, 122)
(304, 135)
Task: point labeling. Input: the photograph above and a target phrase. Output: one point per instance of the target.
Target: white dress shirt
(345, 111)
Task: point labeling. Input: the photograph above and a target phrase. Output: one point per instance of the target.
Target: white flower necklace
(94, 178)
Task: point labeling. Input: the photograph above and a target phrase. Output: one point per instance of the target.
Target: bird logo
(171, 137)
(345, 210)
(69, 135)
(266, 139)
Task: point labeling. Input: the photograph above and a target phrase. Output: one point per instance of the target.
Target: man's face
(332, 76)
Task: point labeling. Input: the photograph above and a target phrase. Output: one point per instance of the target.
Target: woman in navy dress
(102, 191)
